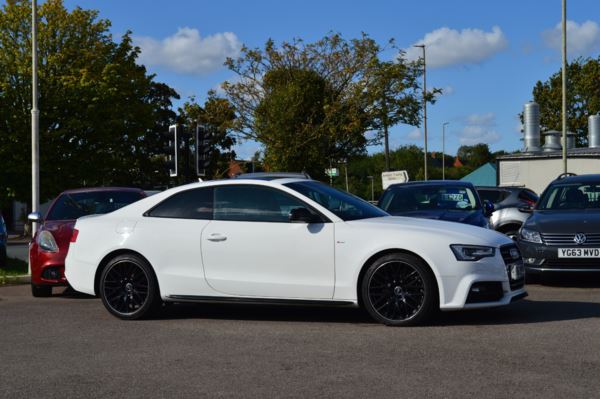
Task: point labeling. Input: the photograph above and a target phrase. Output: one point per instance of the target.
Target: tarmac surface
(69, 346)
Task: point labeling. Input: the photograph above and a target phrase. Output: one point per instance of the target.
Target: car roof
(99, 189)
(454, 183)
(592, 178)
(272, 175)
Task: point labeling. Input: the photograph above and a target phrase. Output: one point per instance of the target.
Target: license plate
(579, 252)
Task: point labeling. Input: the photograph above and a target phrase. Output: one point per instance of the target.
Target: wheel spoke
(125, 287)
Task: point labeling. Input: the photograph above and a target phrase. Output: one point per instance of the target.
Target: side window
(492, 195)
(190, 204)
(252, 203)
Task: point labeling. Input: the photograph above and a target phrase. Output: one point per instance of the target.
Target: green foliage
(310, 104)
(475, 155)
(217, 117)
(583, 97)
(101, 113)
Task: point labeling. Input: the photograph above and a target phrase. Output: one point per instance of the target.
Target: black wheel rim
(396, 291)
(125, 287)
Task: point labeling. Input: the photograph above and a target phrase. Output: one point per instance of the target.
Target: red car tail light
(74, 235)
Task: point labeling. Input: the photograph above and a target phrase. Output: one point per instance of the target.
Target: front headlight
(531, 236)
(472, 252)
(47, 242)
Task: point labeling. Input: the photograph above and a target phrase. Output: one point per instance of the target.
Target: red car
(49, 246)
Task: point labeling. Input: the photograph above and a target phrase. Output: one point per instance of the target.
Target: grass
(14, 267)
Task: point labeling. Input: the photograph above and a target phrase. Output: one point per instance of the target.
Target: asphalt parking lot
(69, 346)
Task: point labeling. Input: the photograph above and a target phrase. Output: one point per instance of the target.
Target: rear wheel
(128, 287)
(399, 290)
(41, 291)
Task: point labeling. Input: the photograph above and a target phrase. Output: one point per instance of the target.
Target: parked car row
(284, 238)
(3, 239)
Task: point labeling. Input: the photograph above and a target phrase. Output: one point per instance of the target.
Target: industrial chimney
(531, 125)
(594, 131)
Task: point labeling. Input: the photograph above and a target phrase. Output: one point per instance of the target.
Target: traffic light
(203, 149)
(171, 149)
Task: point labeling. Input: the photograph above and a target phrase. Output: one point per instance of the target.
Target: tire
(128, 287)
(41, 291)
(400, 290)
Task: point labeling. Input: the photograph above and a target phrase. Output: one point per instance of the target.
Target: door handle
(216, 237)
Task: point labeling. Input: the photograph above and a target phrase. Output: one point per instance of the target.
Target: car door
(251, 249)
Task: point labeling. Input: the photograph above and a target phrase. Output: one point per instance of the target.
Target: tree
(217, 117)
(394, 94)
(474, 155)
(583, 97)
(310, 104)
(101, 112)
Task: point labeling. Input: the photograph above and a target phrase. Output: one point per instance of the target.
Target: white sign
(332, 172)
(397, 176)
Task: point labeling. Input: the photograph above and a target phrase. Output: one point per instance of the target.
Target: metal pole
(424, 107)
(346, 169)
(564, 85)
(372, 188)
(35, 119)
(444, 150)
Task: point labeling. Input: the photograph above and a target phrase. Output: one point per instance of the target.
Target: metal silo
(571, 137)
(552, 141)
(531, 127)
(594, 131)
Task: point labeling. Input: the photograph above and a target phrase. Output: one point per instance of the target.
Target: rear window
(75, 205)
(429, 197)
(528, 196)
(494, 196)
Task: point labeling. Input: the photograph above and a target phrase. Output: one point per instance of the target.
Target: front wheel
(399, 290)
(41, 291)
(128, 287)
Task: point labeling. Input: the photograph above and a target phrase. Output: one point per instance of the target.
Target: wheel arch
(390, 251)
(113, 254)
(509, 225)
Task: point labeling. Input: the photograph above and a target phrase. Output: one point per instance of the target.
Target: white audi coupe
(287, 241)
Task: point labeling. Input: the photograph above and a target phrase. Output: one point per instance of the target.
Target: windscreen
(343, 205)
(571, 196)
(76, 205)
(422, 198)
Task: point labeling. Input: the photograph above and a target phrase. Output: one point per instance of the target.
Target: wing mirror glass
(35, 217)
(303, 215)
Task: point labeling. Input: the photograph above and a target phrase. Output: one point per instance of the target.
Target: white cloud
(448, 90)
(414, 134)
(582, 39)
(445, 46)
(479, 128)
(187, 52)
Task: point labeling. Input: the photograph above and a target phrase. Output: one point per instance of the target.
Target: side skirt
(270, 301)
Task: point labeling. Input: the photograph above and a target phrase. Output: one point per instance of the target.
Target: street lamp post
(564, 85)
(444, 150)
(35, 119)
(422, 46)
(372, 188)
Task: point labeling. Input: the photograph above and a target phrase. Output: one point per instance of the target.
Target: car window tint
(253, 203)
(528, 196)
(571, 196)
(189, 204)
(490, 195)
(70, 206)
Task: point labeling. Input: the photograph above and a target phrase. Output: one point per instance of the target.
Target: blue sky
(486, 55)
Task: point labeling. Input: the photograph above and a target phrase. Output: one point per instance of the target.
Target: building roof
(582, 152)
(483, 176)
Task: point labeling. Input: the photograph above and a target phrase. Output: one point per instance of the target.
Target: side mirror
(302, 215)
(35, 217)
(488, 208)
(526, 209)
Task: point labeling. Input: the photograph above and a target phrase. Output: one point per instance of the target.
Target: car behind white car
(287, 241)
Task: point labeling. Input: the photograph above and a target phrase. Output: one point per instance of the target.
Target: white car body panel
(279, 260)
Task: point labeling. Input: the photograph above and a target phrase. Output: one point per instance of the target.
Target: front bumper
(540, 258)
(47, 268)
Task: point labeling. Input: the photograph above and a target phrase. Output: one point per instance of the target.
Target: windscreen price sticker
(579, 252)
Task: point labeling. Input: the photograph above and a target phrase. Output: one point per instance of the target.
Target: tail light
(530, 202)
(74, 235)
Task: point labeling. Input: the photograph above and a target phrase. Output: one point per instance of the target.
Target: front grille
(592, 239)
(571, 264)
(507, 252)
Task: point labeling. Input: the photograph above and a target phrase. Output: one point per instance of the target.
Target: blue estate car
(450, 200)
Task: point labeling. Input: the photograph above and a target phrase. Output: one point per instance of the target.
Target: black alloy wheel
(399, 290)
(128, 287)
